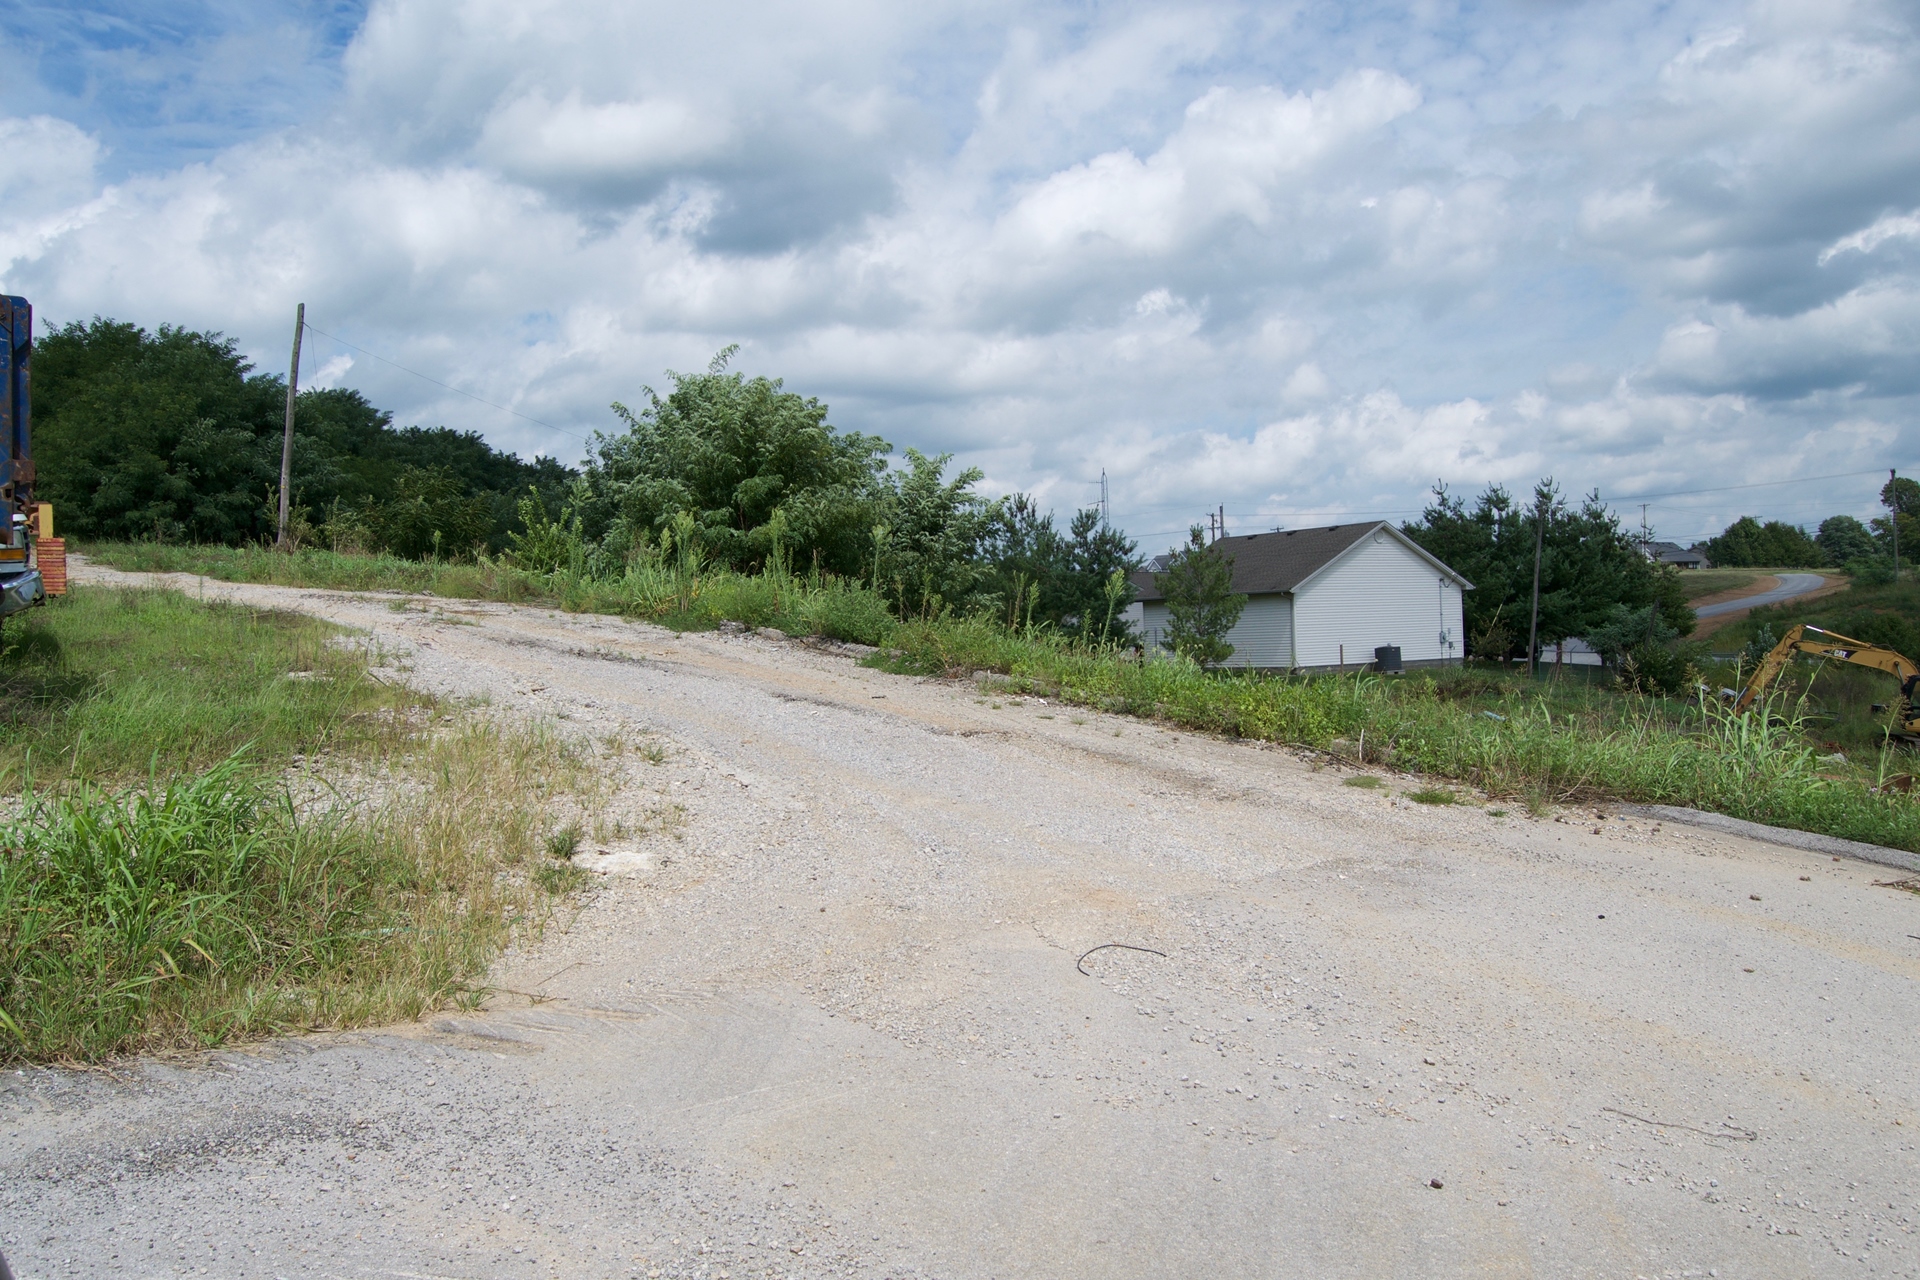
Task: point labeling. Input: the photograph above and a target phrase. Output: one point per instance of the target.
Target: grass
(1554, 741)
(1432, 795)
(1701, 583)
(1840, 700)
(688, 596)
(311, 567)
(1562, 740)
(107, 684)
(203, 903)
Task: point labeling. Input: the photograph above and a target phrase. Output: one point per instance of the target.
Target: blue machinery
(20, 583)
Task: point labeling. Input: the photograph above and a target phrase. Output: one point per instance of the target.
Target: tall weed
(212, 908)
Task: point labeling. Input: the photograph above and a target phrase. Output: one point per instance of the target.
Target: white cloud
(1228, 160)
(331, 374)
(1230, 254)
(48, 184)
(534, 140)
(1894, 226)
(1864, 340)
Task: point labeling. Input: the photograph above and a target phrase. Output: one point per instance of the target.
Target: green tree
(1843, 538)
(935, 528)
(1589, 563)
(171, 435)
(429, 514)
(731, 451)
(1065, 581)
(1901, 497)
(161, 435)
(1202, 606)
(1746, 542)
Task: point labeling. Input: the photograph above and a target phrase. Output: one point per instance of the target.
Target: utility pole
(1105, 515)
(1539, 538)
(286, 444)
(1893, 495)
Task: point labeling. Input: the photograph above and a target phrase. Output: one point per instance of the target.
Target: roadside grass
(1884, 613)
(107, 683)
(1701, 583)
(341, 571)
(1543, 743)
(684, 594)
(1573, 738)
(207, 902)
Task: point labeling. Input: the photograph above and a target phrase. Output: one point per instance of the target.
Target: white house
(1326, 598)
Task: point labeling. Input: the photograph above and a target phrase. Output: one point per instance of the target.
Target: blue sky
(1297, 260)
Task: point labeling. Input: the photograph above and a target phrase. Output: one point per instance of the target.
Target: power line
(456, 390)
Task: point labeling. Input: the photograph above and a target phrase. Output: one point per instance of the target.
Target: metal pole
(1533, 627)
(286, 444)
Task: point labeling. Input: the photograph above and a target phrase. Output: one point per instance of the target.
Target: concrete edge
(1805, 840)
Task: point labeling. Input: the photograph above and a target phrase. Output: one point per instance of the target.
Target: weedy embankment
(1540, 742)
(1510, 738)
(183, 898)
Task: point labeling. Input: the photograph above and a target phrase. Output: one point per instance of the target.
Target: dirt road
(830, 1023)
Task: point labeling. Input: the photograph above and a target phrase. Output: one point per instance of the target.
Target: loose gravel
(817, 1014)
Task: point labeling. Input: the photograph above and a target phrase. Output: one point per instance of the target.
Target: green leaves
(1588, 565)
(1775, 544)
(114, 905)
(732, 451)
(171, 436)
(1076, 583)
(1201, 604)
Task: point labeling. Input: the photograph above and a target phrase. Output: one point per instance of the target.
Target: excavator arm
(1836, 648)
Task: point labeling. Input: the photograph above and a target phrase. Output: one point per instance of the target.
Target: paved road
(832, 1025)
(1791, 585)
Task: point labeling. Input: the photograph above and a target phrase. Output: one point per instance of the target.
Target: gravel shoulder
(821, 1016)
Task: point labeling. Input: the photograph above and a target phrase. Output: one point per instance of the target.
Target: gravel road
(827, 1021)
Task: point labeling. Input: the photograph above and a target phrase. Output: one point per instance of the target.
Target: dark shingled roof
(1265, 563)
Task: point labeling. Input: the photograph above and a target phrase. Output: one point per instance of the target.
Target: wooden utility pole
(286, 444)
(1539, 538)
(1893, 496)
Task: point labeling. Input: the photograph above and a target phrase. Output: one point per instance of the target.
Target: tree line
(1843, 542)
(758, 475)
(173, 436)
(1596, 582)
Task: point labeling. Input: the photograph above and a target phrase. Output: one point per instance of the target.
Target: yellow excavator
(1838, 648)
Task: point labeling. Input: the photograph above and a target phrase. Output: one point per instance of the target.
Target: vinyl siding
(1262, 638)
(1378, 593)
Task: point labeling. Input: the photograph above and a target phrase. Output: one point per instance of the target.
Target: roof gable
(1273, 563)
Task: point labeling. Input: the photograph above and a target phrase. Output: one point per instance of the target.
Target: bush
(1659, 669)
(1871, 571)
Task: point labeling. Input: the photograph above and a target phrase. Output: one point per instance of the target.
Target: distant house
(1326, 598)
(1679, 557)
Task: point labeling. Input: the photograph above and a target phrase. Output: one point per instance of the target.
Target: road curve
(831, 1024)
(1791, 585)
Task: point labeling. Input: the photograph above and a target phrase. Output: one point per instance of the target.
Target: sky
(1300, 261)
